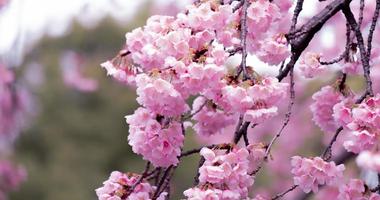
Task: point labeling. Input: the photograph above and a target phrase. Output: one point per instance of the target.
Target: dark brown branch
(234, 51)
(297, 11)
(243, 130)
(243, 38)
(363, 51)
(309, 29)
(197, 150)
(141, 178)
(361, 12)
(373, 27)
(196, 178)
(326, 155)
(162, 181)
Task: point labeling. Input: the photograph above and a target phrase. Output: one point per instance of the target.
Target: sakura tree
(193, 75)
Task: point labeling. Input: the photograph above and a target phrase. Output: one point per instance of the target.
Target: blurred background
(77, 134)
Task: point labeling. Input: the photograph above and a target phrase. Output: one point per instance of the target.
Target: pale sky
(24, 22)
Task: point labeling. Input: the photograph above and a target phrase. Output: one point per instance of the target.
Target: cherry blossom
(119, 185)
(159, 141)
(310, 173)
(150, 88)
(322, 107)
(309, 66)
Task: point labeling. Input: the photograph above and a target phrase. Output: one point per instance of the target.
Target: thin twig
(162, 181)
(373, 27)
(243, 38)
(296, 14)
(287, 115)
(141, 178)
(326, 155)
(363, 51)
(285, 192)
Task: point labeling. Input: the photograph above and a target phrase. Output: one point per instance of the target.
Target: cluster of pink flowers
(355, 190)
(159, 96)
(226, 175)
(322, 107)
(261, 16)
(274, 50)
(209, 119)
(158, 140)
(263, 19)
(362, 122)
(11, 177)
(310, 173)
(257, 102)
(309, 66)
(171, 59)
(119, 187)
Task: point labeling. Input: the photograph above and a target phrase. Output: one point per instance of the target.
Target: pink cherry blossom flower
(159, 142)
(342, 112)
(198, 76)
(260, 115)
(226, 171)
(256, 155)
(260, 16)
(117, 187)
(322, 108)
(274, 50)
(210, 120)
(310, 173)
(360, 140)
(268, 90)
(159, 96)
(210, 194)
(353, 190)
(309, 65)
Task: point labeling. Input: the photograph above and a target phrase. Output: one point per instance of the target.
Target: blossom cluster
(355, 189)
(333, 108)
(310, 173)
(322, 107)
(362, 121)
(172, 59)
(310, 66)
(119, 186)
(226, 175)
(158, 140)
